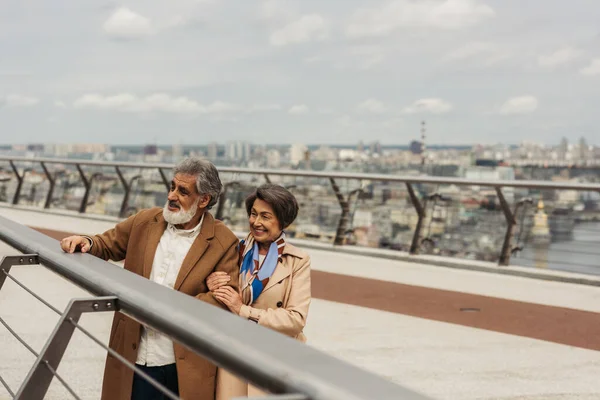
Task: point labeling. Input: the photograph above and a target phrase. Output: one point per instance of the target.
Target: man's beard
(182, 216)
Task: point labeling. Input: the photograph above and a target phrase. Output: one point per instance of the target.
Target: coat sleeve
(291, 319)
(228, 264)
(112, 244)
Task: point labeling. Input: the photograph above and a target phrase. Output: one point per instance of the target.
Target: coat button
(134, 346)
(279, 304)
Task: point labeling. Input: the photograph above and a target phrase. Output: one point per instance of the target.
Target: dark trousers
(166, 375)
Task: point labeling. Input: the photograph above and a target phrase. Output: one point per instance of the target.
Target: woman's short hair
(284, 203)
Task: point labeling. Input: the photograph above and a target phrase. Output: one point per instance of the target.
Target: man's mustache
(174, 204)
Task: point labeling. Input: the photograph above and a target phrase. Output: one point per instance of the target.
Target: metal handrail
(525, 184)
(265, 358)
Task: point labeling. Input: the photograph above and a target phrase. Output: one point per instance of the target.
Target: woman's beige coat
(282, 306)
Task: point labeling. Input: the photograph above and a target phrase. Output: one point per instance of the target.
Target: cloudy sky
(288, 71)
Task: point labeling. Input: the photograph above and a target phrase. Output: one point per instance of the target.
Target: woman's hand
(228, 296)
(217, 279)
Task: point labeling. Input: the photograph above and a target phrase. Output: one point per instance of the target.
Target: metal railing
(341, 195)
(273, 362)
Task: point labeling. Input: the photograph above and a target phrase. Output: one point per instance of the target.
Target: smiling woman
(274, 277)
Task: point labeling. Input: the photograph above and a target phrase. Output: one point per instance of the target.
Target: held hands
(217, 279)
(228, 296)
(217, 284)
(71, 243)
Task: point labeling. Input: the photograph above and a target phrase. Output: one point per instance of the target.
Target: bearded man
(177, 246)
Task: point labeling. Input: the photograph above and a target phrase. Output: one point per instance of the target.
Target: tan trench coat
(136, 240)
(282, 306)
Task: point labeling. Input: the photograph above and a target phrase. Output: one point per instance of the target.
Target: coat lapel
(207, 232)
(155, 231)
(281, 272)
(284, 265)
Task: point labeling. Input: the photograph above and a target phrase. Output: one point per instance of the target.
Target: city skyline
(277, 71)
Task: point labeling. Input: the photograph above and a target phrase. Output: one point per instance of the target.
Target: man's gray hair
(207, 177)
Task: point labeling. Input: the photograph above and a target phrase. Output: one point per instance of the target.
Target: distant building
(150, 150)
(297, 154)
(239, 151)
(415, 147)
(37, 148)
(375, 148)
(177, 150)
(212, 151)
(361, 147)
(273, 158)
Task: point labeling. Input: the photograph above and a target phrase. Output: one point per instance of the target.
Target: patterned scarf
(251, 268)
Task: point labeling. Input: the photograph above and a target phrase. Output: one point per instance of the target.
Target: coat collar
(285, 265)
(155, 231)
(292, 250)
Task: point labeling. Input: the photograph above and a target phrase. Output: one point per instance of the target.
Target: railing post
(511, 223)
(164, 179)
(86, 184)
(9, 261)
(20, 179)
(52, 182)
(341, 229)
(520, 204)
(267, 179)
(42, 372)
(127, 188)
(416, 241)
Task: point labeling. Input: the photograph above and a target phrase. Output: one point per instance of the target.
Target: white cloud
(164, 103)
(480, 54)
(372, 106)
(519, 105)
(446, 14)
(60, 104)
(159, 102)
(221, 107)
(559, 57)
(593, 69)
(264, 107)
(17, 100)
(298, 109)
(310, 27)
(428, 105)
(126, 24)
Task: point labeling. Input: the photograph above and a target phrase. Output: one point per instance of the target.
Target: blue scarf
(254, 276)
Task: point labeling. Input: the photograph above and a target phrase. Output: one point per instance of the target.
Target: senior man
(177, 246)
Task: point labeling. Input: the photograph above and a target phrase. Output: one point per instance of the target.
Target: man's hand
(228, 296)
(217, 279)
(70, 244)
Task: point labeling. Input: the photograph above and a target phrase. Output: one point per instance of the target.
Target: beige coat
(136, 240)
(282, 306)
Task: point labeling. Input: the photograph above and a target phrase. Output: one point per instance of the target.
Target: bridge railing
(548, 224)
(280, 365)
